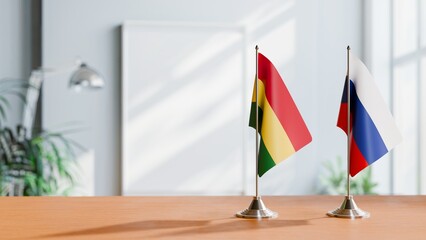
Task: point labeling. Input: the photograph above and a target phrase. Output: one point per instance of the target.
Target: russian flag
(373, 129)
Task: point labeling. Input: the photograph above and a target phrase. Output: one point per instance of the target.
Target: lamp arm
(57, 70)
(83, 76)
(32, 97)
(33, 93)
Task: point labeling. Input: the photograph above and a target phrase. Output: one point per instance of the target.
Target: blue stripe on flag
(345, 92)
(365, 133)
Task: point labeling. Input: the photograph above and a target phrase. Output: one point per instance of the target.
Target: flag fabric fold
(281, 127)
(373, 131)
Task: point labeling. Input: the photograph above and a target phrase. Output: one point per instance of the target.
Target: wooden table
(392, 217)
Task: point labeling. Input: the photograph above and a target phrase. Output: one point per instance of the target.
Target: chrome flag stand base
(349, 209)
(257, 209)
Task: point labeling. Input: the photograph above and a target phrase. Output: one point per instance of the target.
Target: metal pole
(348, 209)
(257, 208)
(348, 81)
(257, 126)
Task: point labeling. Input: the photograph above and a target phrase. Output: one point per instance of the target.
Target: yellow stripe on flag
(273, 134)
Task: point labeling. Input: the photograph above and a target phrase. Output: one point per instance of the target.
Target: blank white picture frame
(184, 108)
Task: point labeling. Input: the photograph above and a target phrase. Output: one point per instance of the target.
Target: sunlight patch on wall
(187, 130)
(406, 117)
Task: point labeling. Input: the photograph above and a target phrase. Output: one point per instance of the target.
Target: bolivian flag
(281, 127)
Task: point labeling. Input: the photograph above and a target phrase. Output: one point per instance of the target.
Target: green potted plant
(333, 181)
(32, 166)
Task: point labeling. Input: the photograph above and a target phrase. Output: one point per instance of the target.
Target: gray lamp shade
(86, 77)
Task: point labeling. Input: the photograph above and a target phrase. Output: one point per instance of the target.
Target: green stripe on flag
(252, 120)
(265, 160)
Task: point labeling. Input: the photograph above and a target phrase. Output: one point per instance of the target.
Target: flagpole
(257, 208)
(348, 87)
(348, 209)
(257, 123)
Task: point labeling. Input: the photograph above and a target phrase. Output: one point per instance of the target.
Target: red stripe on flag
(358, 161)
(282, 103)
(342, 120)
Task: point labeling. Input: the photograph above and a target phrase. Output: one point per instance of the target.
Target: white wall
(15, 48)
(393, 41)
(305, 39)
